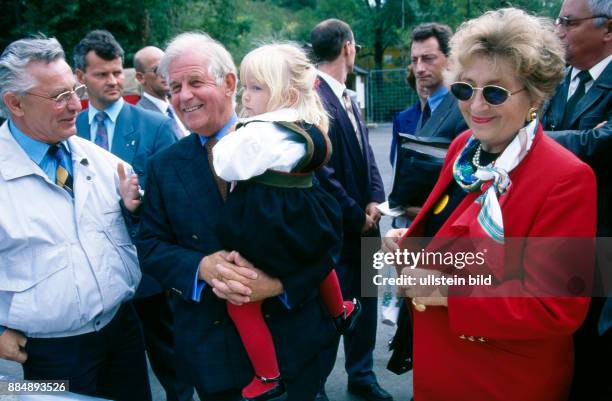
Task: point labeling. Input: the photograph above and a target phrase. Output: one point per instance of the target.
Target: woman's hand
(424, 288)
(391, 239)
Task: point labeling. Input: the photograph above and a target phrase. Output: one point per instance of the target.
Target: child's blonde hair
(285, 69)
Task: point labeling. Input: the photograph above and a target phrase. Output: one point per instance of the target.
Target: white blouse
(257, 147)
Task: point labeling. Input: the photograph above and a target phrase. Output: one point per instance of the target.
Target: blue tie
(178, 132)
(101, 134)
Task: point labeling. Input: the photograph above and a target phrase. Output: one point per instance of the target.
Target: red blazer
(520, 348)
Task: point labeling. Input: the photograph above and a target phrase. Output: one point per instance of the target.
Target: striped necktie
(62, 177)
(348, 106)
(101, 134)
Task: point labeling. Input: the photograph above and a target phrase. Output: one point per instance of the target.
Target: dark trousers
(109, 363)
(359, 344)
(303, 387)
(157, 321)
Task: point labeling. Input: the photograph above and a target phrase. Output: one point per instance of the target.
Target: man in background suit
(579, 117)
(440, 119)
(133, 135)
(179, 245)
(155, 90)
(352, 176)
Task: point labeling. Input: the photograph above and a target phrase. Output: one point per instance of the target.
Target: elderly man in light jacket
(67, 265)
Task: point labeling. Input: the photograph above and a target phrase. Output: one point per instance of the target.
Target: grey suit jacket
(145, 103)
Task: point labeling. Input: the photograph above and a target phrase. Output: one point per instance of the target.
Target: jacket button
(267, 316)
(217, 322)
(482, 339)
(194, 236)
(462, 337)
(471, 338)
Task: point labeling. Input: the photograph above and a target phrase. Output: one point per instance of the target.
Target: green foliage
(379, 25)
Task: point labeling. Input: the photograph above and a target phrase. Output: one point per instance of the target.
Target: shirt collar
(222, 132)
(35, 149)
(436, 98)
(596, 70)
(162, 105)
(111, 111)
(336, 86)
(285, 114)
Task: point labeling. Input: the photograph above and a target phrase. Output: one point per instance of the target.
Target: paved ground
(399, 386)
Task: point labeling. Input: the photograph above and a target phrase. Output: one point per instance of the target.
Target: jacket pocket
(45, 299)
(123, 252)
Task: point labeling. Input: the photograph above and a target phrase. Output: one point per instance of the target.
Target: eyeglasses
(358, 47)
(153, 70)
(567, 22)
(64, 98)
(492, 94)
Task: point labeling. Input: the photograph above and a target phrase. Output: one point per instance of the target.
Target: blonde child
(277, 216)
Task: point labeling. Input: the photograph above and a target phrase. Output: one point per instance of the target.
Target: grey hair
(220, 62)
(16, 58)
(600, 7)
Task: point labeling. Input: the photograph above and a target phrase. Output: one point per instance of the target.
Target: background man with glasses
(134, 135)
(155, 89)
(69, 268)
(579, 117)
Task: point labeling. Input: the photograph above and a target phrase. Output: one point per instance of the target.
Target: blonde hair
(527, 42)
(286, 71)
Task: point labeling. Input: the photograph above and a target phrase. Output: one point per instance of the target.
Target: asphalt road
(399, 386)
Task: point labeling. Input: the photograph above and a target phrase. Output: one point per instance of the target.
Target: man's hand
(369, 224)
(129, 189)
(601, 124)
(11, 346)
(372, 211)
(241, 282)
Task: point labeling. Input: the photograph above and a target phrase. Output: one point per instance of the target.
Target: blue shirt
(436, 98)
(113, 113)
(37, 151)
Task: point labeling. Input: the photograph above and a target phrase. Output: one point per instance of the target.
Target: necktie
(101, 134)
(221, 185)
(348, 106)
(570, 106)
(175, 126)
(426, 114)
(62, 177)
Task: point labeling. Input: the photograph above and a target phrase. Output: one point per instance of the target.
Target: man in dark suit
(155, 89)
(579, 117)
(439, 123)
(352, 176)
(179, 245)
(133, 135)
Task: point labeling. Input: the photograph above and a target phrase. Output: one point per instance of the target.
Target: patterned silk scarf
(473, 179)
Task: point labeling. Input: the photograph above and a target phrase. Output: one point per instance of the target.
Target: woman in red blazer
(503, 180)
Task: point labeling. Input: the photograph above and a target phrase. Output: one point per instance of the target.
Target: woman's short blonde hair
(527, 42)
(285, 69)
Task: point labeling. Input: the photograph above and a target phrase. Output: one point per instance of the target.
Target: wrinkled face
(203, 106)
(41, 118)
(583, 40)
(152, 82)
(104, 80)
(494, 126)
(255, 97)
(428, 63)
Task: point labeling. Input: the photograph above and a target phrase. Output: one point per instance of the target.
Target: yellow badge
(441, 204)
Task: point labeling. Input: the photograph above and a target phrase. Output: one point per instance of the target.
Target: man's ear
(13, 103)
(80, 75)
(230, 84)
(140, 77)
(608, 33)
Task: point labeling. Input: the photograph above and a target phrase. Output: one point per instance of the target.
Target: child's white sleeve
(255, 148)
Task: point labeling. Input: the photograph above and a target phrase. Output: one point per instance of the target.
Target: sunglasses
(492, 94)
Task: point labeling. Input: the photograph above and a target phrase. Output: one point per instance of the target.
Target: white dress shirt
(594, 71)
(163, 106)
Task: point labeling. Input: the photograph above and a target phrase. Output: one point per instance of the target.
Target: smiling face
(203, 106)
(40, 118)
(494, 126)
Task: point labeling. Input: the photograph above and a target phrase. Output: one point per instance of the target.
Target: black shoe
(321, 396)
(346, 324)
(370, 392)
(276, 393)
